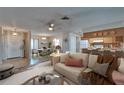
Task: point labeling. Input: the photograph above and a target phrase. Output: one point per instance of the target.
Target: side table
(54, 58)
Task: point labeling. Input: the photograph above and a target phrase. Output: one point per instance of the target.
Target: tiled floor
(23, 76)
(34, 66)
(24, 63)
(17, 62)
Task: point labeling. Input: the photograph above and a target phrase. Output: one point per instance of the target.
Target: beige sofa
(73, 73)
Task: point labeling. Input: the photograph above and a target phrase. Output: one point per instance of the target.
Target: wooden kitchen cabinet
(108, 40)
(111, 37)
(100, 34)
(94, 34)
(105, 33)
(119, 38)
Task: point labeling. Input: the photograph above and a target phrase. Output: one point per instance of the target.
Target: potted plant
(49, 45)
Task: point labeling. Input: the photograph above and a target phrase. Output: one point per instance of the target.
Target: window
(31, 43)
(84, 43)
(34, 43)
(56, 42)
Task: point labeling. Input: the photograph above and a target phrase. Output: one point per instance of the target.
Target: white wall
(20, 44)
(64, 41)
(12, 46)
(15, 45)
(74, 42)
(78, 47)
(0, 46)
(69, 42)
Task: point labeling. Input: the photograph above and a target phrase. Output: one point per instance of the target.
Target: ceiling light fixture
(50, 28)
(14, 33)
(51, 25)
(44, 38)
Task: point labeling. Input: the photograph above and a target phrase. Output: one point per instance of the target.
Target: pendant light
(14, 33)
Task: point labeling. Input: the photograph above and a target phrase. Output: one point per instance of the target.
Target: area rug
(38, 64)
(26, 74)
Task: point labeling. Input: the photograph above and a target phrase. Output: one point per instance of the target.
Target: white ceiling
(81, 19)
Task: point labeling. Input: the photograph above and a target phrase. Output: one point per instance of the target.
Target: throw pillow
(112, 65)
(82, 56)
(74, 62)
(121, 66)
(101, 68)
(92, 60)
(118, 77)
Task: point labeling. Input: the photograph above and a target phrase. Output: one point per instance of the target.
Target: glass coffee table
(45, 79)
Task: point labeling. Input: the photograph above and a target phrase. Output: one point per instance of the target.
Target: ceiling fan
(65, 18)
(52, 25)
(55, 23)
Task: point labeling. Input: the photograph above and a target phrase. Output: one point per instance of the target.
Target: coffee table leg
(34, 81)
(62, 81)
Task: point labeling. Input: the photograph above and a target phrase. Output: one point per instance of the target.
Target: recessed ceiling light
(14, 34)
(44, 38)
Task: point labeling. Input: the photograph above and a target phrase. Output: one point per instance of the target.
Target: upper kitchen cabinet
(105, 33)
(108, 40)
(112, 37)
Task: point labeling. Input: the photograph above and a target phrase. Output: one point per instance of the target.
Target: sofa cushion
(71, 73)
(82, 56)
(63, 56)
(87, 70)
(92, 60)
(70, 61)
(121, 66)
(119, 61)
